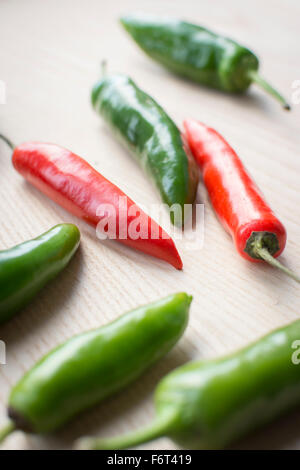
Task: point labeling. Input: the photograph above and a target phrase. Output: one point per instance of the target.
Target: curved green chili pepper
(210, 404)
(93, 365)
(26, 268)
(150, 134)
(198, 54)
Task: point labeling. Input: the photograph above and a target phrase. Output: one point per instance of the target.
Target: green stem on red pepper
(7, 141)
(257, 233)
(263, 253)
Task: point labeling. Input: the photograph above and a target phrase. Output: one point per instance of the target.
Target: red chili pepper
(74, 184)
(257, 233)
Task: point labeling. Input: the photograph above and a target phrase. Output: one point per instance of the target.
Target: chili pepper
(210, 404)
(26, 268)
(93, 365)
(196, 53)
(76, 186)
(151, 135)
(258, 235)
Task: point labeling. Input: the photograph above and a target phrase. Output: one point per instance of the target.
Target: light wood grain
(50, 55)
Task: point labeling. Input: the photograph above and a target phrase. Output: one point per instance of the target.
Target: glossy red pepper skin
(235, 197)
(76, 186)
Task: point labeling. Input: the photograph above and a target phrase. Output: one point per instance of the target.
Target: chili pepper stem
(7, 141)
(158, 428)
(266, 256)
(6, 430)
(103, 68)
(255, 77)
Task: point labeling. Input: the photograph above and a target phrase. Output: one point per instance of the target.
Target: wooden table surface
(50, 58)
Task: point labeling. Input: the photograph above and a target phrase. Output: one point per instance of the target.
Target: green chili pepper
(210, 404)
(93, 365)
(198, 54)
(150, 134)
(26, 268)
